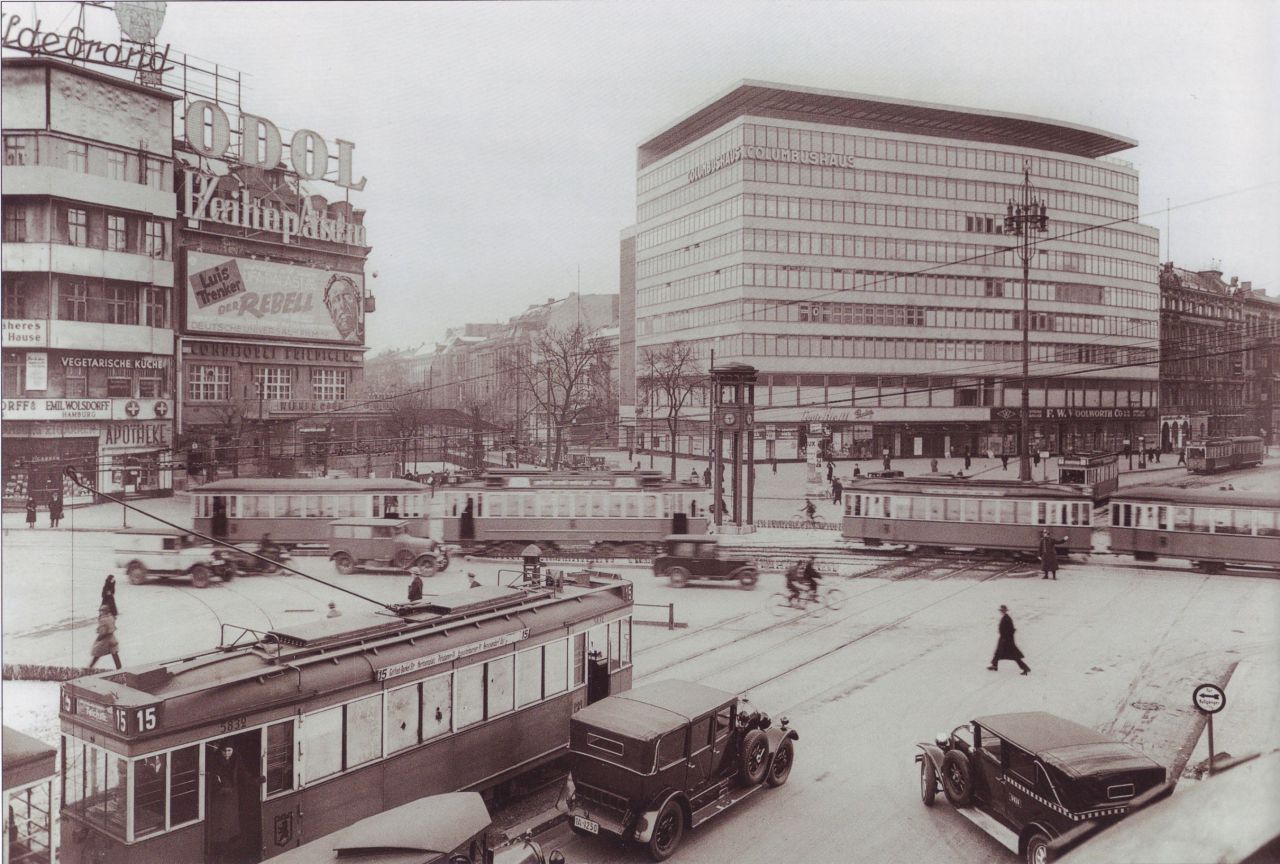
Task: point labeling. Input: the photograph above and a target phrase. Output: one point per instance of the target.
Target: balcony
(85, 261)
(76, 186)
(87, 336)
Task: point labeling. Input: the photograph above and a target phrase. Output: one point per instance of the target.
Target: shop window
(122, 387)
(209, 384)
(77, 385)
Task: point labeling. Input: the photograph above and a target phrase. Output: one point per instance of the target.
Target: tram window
(1139, 517)
(848, 504)
(293, 506)
(1086, 514)
(615, 647)
(987, 511)
(529, 676)
(468, 695)
(500, 691)
(250, 506)
(495, 504)
(919, 508)
(1201, 519)
(401, 718)
(184, 784)
(1042, 513)
(615, 505)
(597, 643)
(952, 508)
(1267, 523)
(935, 509)
(1222, 522)
(547, 505)
(148, 793)
(555, 667)
(887, 508)
(970, 509)
(651, 505)
(279, 757)
(631, 506)
(1006, 512)
(93, 785)
(1162, 518)
(342, 506)
(564, 504)
(1182, 519)
(579, 659)
(437, 706)
(322, 743)
(1025, 512)
(1071, 476)
(1236, 522)
(364, 730)
(312, 505)
(857, 504)
(625, 624)
(597, 504)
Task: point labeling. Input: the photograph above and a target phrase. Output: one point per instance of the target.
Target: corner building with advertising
(851, 248)
(88, 283)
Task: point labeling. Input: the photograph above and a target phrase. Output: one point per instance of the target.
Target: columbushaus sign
(243, 297)
(208, 132)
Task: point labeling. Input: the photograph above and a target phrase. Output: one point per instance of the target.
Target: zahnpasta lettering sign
(243, 297)
(770, 154)
(202, 204)
(450, 655)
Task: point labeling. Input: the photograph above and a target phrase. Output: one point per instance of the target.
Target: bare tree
(673, 377)
(556, 377)
(233, 419)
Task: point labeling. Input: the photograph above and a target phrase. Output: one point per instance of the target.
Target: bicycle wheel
(780, 605)
(815, 608)
(834, 598)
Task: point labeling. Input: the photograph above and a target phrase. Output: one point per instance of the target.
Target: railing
(671, 623)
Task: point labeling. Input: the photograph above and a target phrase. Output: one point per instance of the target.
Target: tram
(1211, 527)
(939, 512)
(1099, 473)
(1224, 454)
(299, 510)
(617, 511)
(333, 721)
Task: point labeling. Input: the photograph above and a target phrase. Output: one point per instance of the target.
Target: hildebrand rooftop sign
(74, 46)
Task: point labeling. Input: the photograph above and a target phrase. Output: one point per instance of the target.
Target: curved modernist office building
(851, 248)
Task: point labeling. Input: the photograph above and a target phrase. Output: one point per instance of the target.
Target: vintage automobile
(360, 542)
(437, 829)
(164, 552)
(1027, 778)
(699, 556)
(245, 559)
(651, 763)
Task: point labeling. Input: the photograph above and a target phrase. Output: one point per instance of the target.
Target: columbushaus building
(851, 248)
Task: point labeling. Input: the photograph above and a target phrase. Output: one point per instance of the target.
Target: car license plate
(586, 825)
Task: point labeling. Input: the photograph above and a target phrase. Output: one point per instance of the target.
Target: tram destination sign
(457, 652)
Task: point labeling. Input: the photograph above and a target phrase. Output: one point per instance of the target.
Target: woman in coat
(31, 511)
(1049, 554)
(109, 595)
(1006, 648)
(55, 510)
(106, 642)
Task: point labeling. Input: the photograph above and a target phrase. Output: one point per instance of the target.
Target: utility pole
(1022, 218)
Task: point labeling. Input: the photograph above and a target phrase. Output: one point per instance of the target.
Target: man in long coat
(1006, 648)
(227, 777)
(1049, 554)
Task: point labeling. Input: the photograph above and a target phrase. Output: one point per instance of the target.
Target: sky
(499, 139)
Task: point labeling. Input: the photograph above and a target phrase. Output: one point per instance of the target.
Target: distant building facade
(88, 308)
(850, 248)
(1262, 364)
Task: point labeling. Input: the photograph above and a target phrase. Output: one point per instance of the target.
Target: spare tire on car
(957, 778)
(753, 759)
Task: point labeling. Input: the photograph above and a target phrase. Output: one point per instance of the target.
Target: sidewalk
(1250, 720)
(97, 517)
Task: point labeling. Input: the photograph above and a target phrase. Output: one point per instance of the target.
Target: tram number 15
(137, 719)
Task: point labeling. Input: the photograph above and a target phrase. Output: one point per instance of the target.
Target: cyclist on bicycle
(809, 509)
(803, 578)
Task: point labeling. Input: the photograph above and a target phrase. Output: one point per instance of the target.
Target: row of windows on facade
(166, 793)
(77, 382)
(887, 249)
(746, 345)
(884, 182)
(1183, 305)
(886, 148)
(889, 215)
(91, 227)
(56, 151)
(840, 279)
(212, 383)
(884, 315)
(73, 298)
(1207, 397)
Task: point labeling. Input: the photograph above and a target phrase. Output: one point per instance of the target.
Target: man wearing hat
(1006, 648)
(415, 584)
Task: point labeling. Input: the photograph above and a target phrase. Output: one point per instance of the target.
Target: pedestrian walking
(857, 470)
(1182, 456)
(1006, 648)
(55, 510)
(773, 463)
(631, 454)
(415, 584)
(887, 463)
(837, 490)
(831, 470)
(333, 610)
(105, 644)
(1004, 461)
(31, 511)
(706, 476)
(1049, 554)
(933, 465)
(109, 595)
(1035, 457)
(968, 459)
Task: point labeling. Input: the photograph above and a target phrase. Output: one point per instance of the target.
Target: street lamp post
(1021, 219)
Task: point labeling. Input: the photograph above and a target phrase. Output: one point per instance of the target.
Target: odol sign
(261, 146)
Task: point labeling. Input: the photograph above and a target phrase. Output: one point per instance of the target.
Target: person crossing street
(1006, 648)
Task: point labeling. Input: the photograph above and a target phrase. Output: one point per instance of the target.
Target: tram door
(233, 833)
(597, 664)
(219, 513)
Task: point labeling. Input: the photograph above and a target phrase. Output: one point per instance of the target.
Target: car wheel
(780, 767)
(928, 781)
(442, 564)
(957, 778)
(748, 578)
(137, 573)
(668, 831)
(344, 563)
(754, 757)
(1037, 850)
(403, 560)
(200, 576)
(679, 577)
(834, 598)
(226, 572)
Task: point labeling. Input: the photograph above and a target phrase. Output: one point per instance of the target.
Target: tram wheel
(200, 576)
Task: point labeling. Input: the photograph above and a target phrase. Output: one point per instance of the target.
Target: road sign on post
(1209, 699)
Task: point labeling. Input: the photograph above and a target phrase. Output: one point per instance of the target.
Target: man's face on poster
(343, 299)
